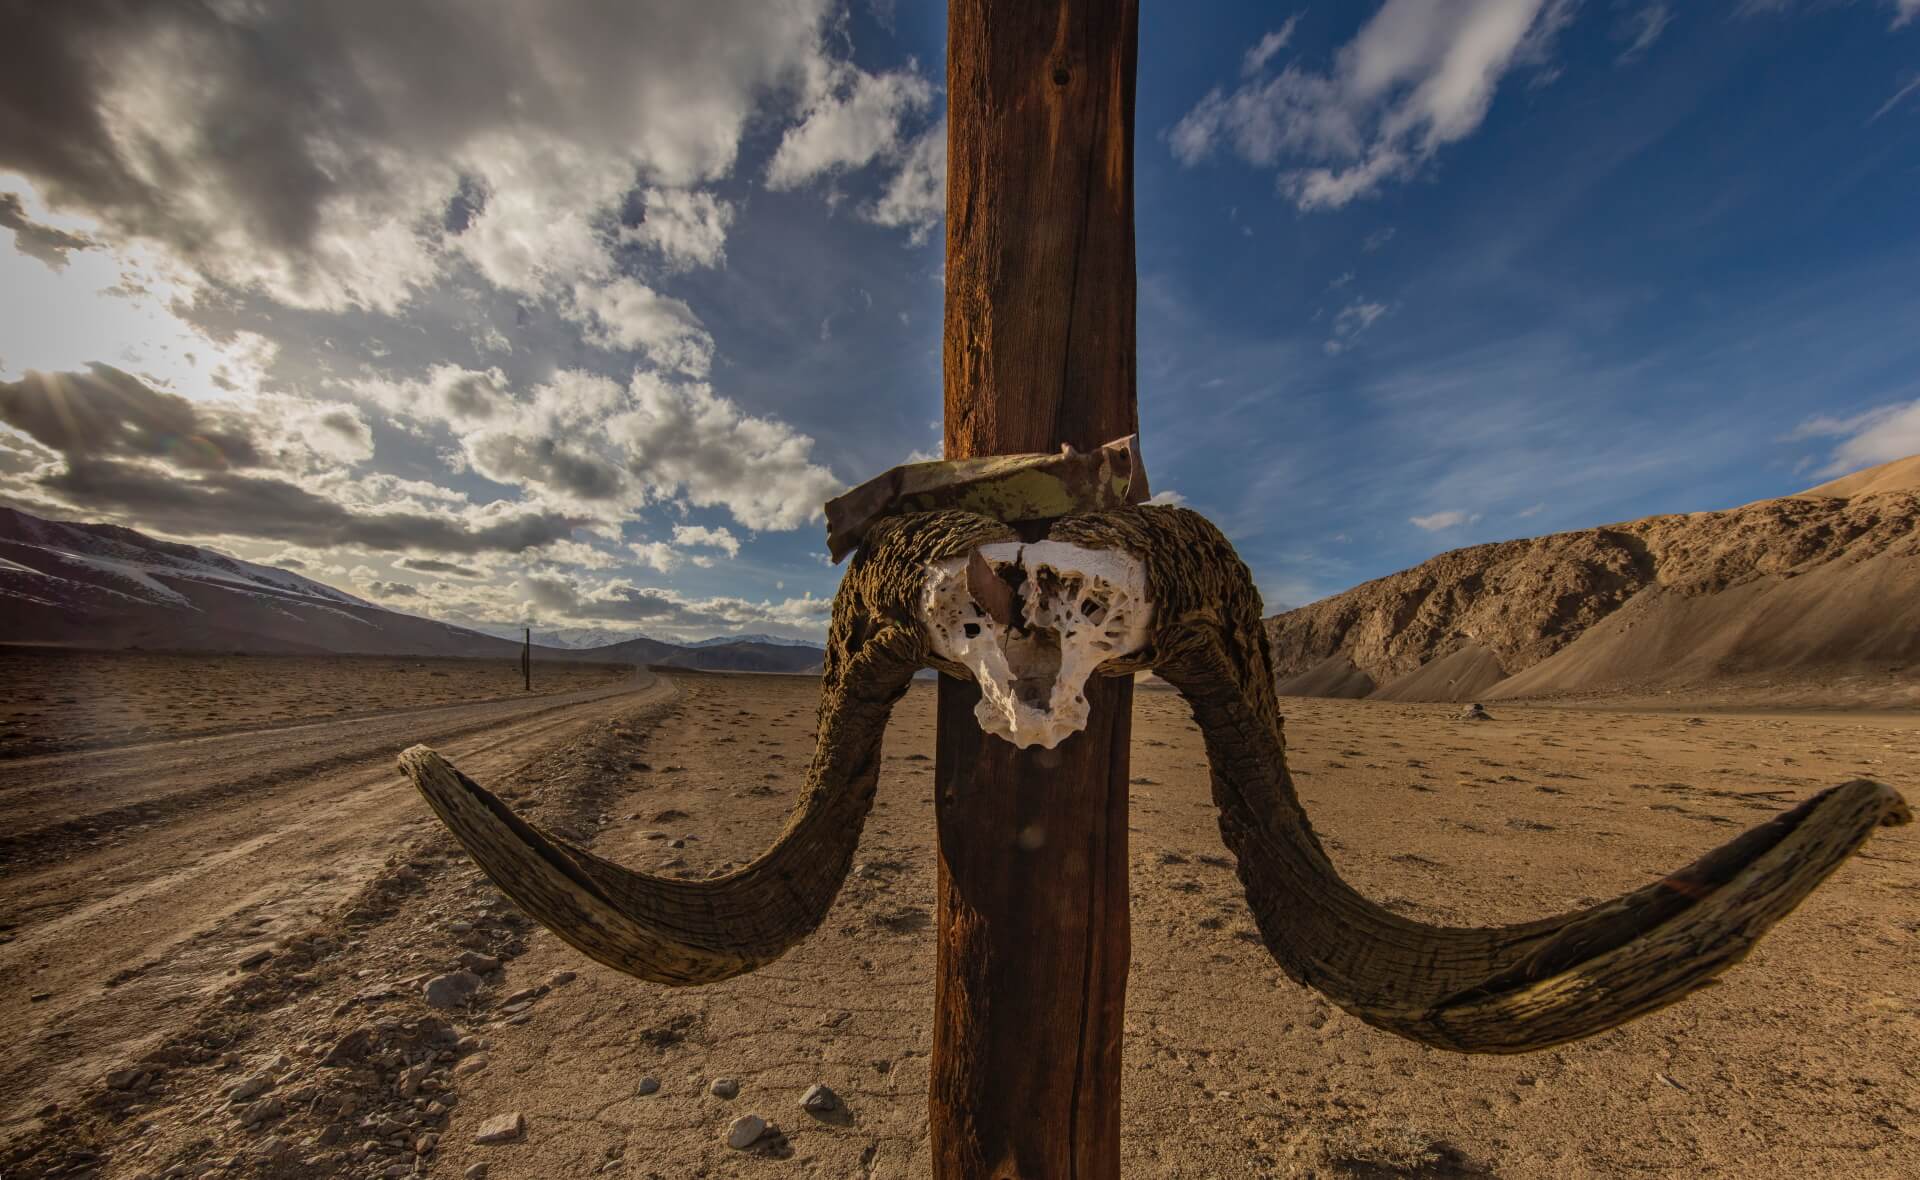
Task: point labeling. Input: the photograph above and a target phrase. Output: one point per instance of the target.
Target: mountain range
(69, 584)
(1808, 599)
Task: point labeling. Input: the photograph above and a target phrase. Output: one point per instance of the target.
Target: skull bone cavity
(1077, 609)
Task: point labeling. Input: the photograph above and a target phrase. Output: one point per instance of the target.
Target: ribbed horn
(1503, 989)
(675, 931)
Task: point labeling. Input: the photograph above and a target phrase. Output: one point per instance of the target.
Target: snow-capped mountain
(769, 640)
(100, 585)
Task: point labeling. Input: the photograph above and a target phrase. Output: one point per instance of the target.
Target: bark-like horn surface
(675, 931)
(1503, 989)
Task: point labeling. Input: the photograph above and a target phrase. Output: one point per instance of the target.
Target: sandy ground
(1804, 1061)
(54, 699)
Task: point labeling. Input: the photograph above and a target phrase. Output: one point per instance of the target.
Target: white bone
(1079, 608)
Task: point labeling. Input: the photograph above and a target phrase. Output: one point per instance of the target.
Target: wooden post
(1033, 938)
(526, 660)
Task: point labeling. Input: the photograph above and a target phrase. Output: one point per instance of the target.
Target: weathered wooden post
(1033, 943)
(526, 660)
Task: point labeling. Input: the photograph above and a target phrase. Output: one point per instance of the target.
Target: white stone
(742, 1132)
(1090, 607)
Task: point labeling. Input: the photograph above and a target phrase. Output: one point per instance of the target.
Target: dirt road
(133, 880)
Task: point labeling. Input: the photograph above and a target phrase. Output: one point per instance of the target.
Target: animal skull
(1054, 613)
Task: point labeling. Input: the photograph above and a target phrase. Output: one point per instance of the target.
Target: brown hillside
(1821, 588)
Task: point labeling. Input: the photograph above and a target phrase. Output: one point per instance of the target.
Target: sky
(576, 311)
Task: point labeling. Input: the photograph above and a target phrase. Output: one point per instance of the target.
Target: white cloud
(587, 443)
(1168, 497)
(1645, 26)
(628, 314)
(1264, 49)
(449, 393)
(1877, 436)
(853, 119)
(122, 304)
(1355, 318)
(696, 536)
(1912, 85)
(508, 140)
(687, 227)
(1904, 11)
(655, 555)
(666, 612)
(1450, 519)
(682, 438)
(1420, 74)
(916, 197)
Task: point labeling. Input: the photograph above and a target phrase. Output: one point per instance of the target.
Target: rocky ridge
(1818, 588)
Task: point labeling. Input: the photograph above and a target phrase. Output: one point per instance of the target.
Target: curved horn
(1503, 989)
(674, 931)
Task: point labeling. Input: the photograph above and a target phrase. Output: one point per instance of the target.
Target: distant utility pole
(526, 660)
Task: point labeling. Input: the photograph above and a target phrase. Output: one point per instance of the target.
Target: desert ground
(214, 948)
(54, 699)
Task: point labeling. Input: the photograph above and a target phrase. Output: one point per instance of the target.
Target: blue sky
(576, 311)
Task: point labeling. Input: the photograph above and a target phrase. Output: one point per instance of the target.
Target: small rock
(476, 1172)
(37, 997)
(520, 997)
(409, 1083)
(251, 1087)
(471, 1065)
(255, 959)
(1475, 712)
(501, 1128)
(478, 963)
(459, 926)
(351, 1047)
(451, 990)
(743, 1131)
(819, 1099)
(724, 1088)
(561, 979)
(124, 1079)
(647, 1086)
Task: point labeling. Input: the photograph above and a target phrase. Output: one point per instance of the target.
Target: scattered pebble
(471, 1065)
(451, 990)
(255, 959)
(561, 979)
(476, 1172)
(251, 1087)
(647, 1086)
(478, 963)
(743, 1131)
(501, 1128)
(724, 1088)
(1475, 712)
(819, 1099)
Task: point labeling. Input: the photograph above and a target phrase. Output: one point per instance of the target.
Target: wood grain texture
(1039, 352)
